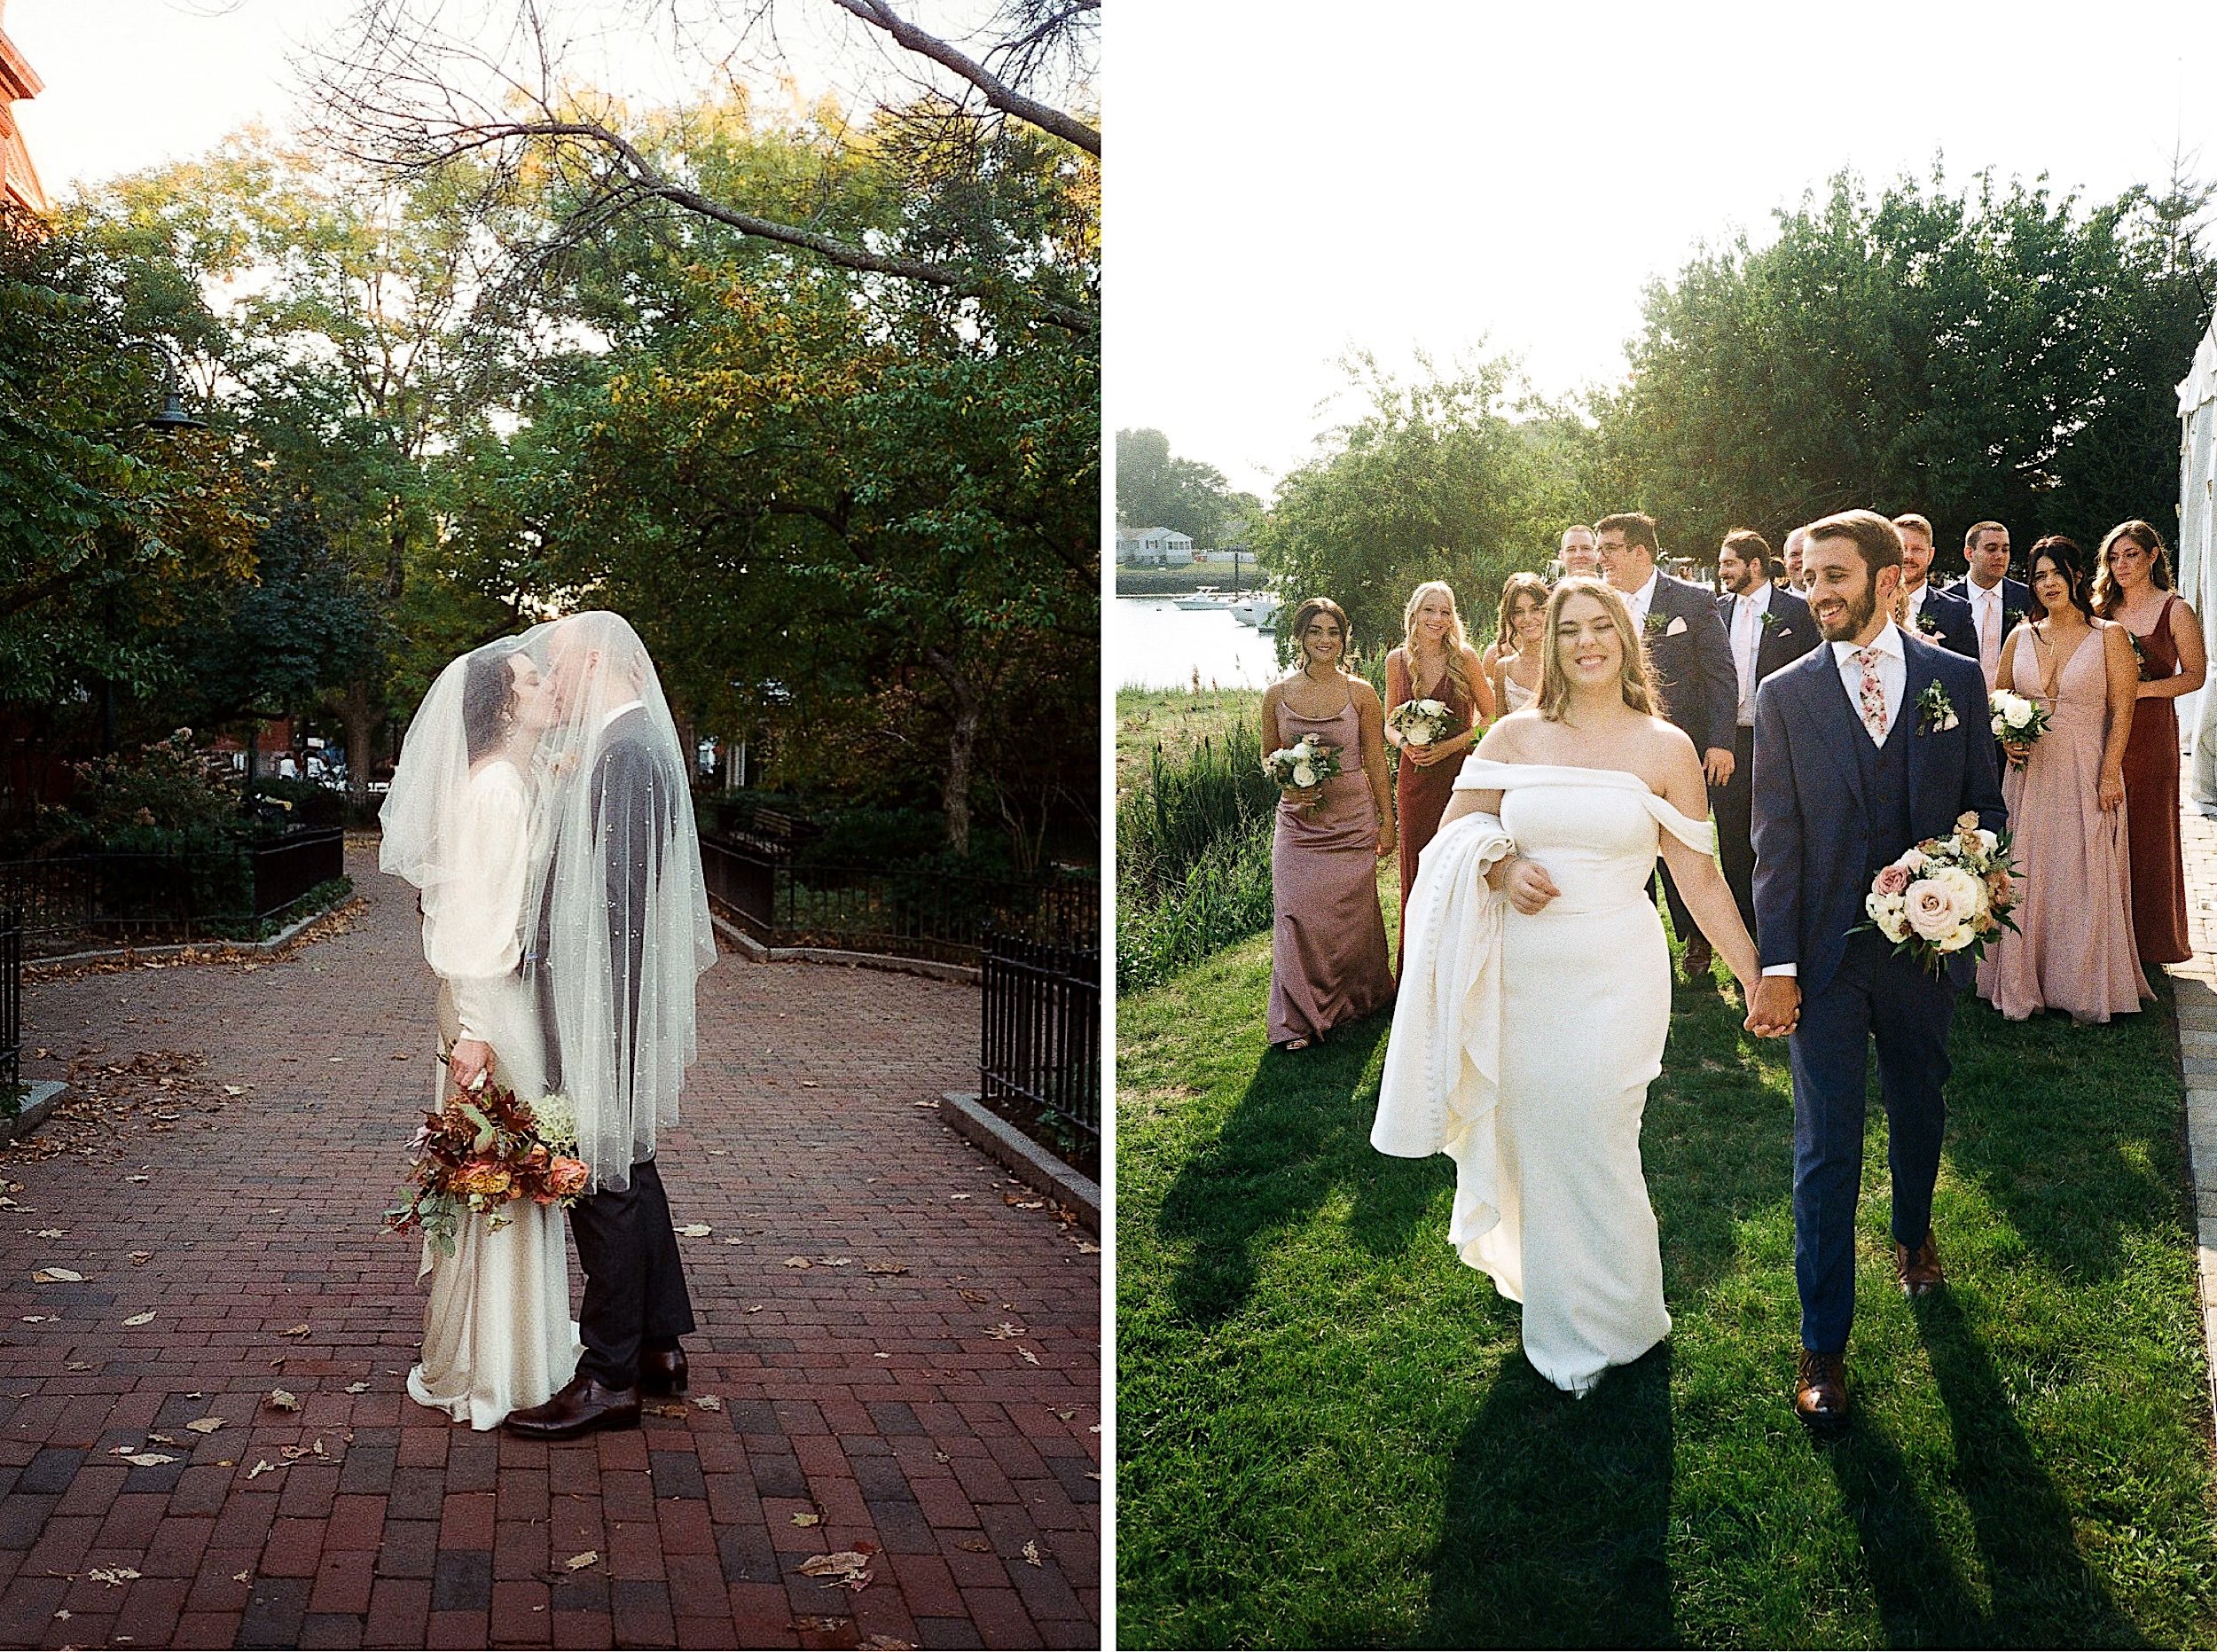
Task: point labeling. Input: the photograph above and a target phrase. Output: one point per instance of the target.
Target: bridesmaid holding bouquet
(1435, 663)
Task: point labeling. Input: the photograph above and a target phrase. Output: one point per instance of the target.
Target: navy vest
(1886, 789)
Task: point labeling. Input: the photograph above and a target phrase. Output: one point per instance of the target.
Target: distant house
(19, 178)
(1156, 547)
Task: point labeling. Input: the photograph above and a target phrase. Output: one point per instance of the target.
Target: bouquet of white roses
(2016, 719)
(1304, 766)
(1947, 894)
(1421, 722)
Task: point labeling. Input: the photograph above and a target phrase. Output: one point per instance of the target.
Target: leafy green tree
(1438, 478)
(2000, 352)
(1155, 490)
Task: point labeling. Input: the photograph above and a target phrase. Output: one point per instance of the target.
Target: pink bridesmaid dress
(1328, 957)
(2073, 949)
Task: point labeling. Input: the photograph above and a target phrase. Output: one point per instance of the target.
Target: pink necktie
(1872, 695)
(1990, 635)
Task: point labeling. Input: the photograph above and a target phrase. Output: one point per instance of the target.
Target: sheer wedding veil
(470, 710)
(616, 903)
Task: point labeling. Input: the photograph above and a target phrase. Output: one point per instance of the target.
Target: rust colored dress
(1327, 955)
(2151, 803)
(1420, 795)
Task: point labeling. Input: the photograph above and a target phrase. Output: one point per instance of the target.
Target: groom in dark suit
(1690, 665)
(1862, 749)
(635, 1306)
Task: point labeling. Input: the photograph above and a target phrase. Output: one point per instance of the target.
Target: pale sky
(1286, 182)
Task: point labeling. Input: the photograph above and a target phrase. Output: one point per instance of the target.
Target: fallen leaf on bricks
(708, 1402)
(205, 1425)
(62, 1616)
(847, 1568)
(1031, 1554)
(162, 1439)
(975, 1545)
(798, 1262)
(49, 1233)
(941, 1457)
(242, 1577)
(719, 1153)
(77, 1364)
(974, 1296)
(1005, 1330)
(264, 1466)
(148, 1460)
(357, 1388)
(402, 1055)
(235, 1090)
(37, 1318)
(808, 1520)
(755, 1309)
(51, 1276)
(1065, 1415)
(885, 1267)
(140, 1259)
(283, 1400)
(578, 1562)
(298, 1330)
(1030, 1358)
(695, 1230)
(958, 1196)
(934, 1106)
(809, 1084)
(114, 1577)
(140, 1318)
(1085, 1248)
(666, 1410)
(1015, 1204)
(139, 1178)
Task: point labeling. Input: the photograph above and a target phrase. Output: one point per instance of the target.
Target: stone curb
(1034, 1165)
(44, 1098)
(968, 975)
(218, 948)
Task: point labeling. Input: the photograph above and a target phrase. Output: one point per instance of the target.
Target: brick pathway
(868, 1390)
(2196, 981)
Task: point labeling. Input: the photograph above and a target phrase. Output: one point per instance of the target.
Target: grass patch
(1176, 722)
(1327, 1434)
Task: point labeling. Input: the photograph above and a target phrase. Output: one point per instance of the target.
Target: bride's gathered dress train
(1523, 1046)
(498, 1334)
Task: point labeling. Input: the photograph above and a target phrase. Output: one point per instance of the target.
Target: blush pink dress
(1327, 956)
(2073, 949)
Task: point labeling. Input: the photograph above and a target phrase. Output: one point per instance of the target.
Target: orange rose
(568, 1176)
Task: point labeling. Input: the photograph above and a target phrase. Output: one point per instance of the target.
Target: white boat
(1208, 596)
(1259, 610)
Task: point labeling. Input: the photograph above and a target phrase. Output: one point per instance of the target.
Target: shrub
(167, 786)
(1225, 896)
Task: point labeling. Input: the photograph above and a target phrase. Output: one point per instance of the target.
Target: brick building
(19, 178)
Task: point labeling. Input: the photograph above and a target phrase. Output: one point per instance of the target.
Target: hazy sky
(1284, 183)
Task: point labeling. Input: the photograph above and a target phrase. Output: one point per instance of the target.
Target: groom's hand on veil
(469, 1063)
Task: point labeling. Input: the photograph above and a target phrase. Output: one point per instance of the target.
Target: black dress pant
(1734, 803)
(635, 1287)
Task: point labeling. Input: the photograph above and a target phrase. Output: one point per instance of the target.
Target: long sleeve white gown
(497, 1334)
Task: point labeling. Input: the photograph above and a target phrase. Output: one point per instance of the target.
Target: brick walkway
(874, 1400)
(2196, 981)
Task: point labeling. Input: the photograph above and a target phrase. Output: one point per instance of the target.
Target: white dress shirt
(1915, 603)
(1747, 641)
(1638, 601)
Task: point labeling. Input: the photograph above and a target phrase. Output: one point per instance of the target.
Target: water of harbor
(1153, 643)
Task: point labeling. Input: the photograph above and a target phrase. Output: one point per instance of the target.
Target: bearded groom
(1862, 749)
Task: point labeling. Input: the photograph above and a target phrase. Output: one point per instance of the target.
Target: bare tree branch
(997, 92)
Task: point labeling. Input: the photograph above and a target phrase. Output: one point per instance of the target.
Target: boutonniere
(1655, 624)
(1927, 624)
(1936, 713)
(1770, 621)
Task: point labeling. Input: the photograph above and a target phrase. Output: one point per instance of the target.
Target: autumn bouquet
(1949, 895)
(1304, 766)
(480, 1152)
(2016, 720)
(1421, 722)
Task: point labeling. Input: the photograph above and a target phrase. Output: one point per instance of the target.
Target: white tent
(2198, 551)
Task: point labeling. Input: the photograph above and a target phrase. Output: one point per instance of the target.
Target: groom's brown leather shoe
(1918, 1270)
(579, 1407)
(1699, 958)
(1821, 1390)
(661, 1370)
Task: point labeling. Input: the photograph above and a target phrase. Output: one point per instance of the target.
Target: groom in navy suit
(1863, 748)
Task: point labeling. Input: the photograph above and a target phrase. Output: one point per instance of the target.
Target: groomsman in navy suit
(1997, 602)
(1863, 748)
(1767, 628)
(1690, 664)
(1934, 614)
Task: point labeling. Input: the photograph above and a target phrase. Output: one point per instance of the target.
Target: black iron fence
(67, 902)
(1039, 1052)
(10, 1010)
(784, 901)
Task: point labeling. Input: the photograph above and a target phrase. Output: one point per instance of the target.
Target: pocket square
(1676, 627)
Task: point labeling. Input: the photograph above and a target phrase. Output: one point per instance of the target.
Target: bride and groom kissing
(1535, 1002)
(542, 806)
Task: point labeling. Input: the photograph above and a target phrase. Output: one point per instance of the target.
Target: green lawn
(1327, 1436)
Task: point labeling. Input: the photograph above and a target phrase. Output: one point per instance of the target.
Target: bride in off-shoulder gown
(1523, 1042)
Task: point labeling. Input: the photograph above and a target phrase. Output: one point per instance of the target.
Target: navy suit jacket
(1946, 619)
(1812, 825)
(1790, 633)
(1692, 666)
(2016, 601)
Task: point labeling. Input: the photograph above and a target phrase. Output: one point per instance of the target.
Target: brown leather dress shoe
(661, 1370)
(1918, 1270)
(1821, 1390)
(578, 1407)
(1699, 958)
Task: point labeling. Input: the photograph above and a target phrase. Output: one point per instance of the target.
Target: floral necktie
(1872, 695)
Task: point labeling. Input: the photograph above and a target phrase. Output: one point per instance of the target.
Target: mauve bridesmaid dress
(1327, 956)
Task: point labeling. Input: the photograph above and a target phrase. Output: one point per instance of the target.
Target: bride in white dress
(1537, 992)
(498, 1333)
